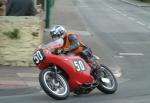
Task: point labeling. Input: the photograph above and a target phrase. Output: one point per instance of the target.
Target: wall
(18, 52)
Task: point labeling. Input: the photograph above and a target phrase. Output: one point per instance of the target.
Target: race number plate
(38, 57)
(79, 65)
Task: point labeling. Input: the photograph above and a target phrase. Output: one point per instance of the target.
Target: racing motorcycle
(64, 73)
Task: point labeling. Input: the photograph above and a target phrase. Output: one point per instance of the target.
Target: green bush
(12, 34)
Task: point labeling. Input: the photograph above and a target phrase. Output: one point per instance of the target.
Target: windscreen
(54, 44)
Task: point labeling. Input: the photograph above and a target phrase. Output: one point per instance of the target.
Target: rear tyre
(108, 83)
(57, 89)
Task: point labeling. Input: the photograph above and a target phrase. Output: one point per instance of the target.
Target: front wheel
(55, 87)
(107, 82)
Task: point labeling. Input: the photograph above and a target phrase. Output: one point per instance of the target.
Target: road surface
(123, 33)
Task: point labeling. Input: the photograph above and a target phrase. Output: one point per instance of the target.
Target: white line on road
(114, 9)
(131, 18)
(135, 43)
(131, 54)
(118, 11)
(139, 22)
(118, 56)
(27, 74)
(124, 14)
(110, 7)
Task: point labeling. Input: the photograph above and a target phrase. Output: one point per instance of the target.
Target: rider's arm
(74, 43)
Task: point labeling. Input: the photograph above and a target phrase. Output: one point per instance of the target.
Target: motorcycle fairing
(77, 69)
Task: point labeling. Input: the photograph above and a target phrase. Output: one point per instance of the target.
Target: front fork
(54, 72)
(96, 70)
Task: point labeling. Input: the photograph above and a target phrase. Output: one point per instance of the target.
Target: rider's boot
(96, 72)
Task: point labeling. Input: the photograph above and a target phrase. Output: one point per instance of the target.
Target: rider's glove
(58, 51)
(65, 50)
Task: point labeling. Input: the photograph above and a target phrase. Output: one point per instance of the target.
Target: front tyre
(108, 83)
(57, 89)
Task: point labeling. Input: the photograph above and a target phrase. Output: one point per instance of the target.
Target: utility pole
(48, 13)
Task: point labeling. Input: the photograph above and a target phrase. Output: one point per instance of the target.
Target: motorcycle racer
(72, 42)
(61, 74)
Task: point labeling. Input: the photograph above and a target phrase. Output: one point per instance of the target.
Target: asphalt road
(124, 32)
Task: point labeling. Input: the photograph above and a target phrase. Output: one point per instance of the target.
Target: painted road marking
(114, 9)
(118, 56)
(118, 11)
(27, 74)
(139, 22)
(131, 18)
(131, 54)
(110, 7)
(137, 43)
(124, 14)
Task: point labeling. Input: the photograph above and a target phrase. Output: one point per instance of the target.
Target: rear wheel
(56, 88)
(108, 83)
